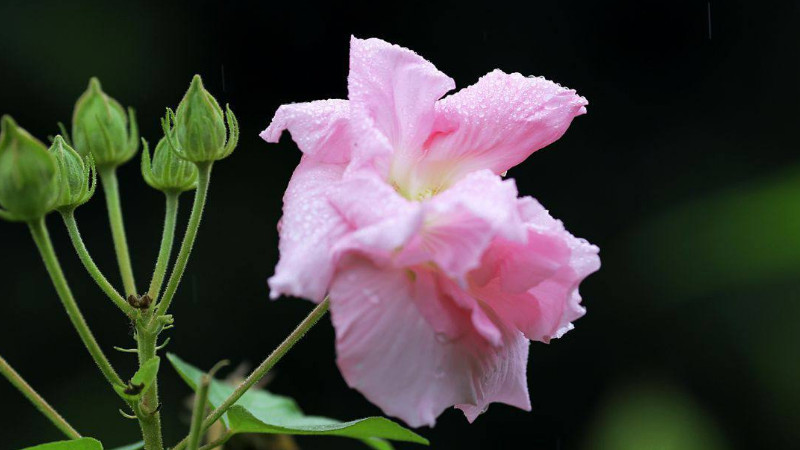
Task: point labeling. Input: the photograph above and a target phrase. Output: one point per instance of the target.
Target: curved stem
(91, 267)
(259, 372)
(37, 400)
(214, 444)
(108, 176)
(203, 180)
(42, 239)
(167, 236)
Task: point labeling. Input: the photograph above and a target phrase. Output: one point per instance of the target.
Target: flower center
(417, 181)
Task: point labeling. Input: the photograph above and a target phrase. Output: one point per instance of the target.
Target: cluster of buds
(35, 180)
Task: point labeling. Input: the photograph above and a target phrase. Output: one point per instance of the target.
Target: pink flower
(438, 274)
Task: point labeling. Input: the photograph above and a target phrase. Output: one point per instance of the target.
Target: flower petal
(389, 350)
(392, 90)
(501, 120)
(320, 128)
(380, 219)
(461, 222)
(533, 285)
(308, 230)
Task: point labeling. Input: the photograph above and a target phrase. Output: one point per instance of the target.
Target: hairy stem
(203, 180)
(42, 239)
(259, 372)
(149, 414)
(37, 400)
(167, 237)
(91, 267)
(108, 177)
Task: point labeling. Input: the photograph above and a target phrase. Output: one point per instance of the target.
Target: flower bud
(28, 174)
(100, 128)
(75, 176)
(200, 134)
(167, 172)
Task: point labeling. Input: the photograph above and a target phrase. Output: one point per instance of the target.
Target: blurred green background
(685, 172)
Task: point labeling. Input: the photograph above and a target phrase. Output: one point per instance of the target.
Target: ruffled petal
(499, 122)
(393, 91)
(413, 369)
(308, 230)
(462, 221)
(533, 285)
(502, 378)
(321, 128)
(380, 219)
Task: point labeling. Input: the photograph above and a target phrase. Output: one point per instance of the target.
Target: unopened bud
(75, 176)
(200, 134)
(28, 174)
(101, 128)
(167, 172)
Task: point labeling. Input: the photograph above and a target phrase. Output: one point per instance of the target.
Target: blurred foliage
(653, 416)
(744, 236)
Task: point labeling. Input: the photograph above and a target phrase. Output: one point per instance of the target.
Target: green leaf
(135, 446)
(141, 380)
(75, 444)
(259, 411)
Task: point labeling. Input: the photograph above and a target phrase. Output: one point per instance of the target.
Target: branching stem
(264, 367)
(42, 239)
(91, 267)
(203, 180)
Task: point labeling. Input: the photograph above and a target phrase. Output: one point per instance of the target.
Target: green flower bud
(199, 130)
(76, 177)
(100, 128)
(167, 172)
(28, 174)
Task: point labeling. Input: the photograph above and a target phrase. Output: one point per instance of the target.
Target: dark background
(685, 172)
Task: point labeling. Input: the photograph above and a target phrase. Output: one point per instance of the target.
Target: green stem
(218, 442)
(91, 267)
(37, 400)
(264, 367)
(199, 410)
(42, 239)
(148, 414)
(203, 179)
(165, 251)
(108, 176)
